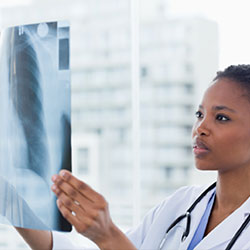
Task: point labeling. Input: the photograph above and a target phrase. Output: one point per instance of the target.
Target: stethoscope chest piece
(186, 233)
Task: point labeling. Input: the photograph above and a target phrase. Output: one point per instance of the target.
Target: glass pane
(101, 94)
(179, 57)
(101, 102)
(175, 67)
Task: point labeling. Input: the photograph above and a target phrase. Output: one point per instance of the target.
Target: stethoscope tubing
(188, 216)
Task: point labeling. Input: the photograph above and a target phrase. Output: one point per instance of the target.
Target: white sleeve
(61, 241)
(64, 241)
(246, 246)
(137, 235)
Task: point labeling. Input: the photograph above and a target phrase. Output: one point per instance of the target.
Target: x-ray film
(35, 126)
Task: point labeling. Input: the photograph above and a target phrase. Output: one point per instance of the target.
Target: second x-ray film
(34, 123)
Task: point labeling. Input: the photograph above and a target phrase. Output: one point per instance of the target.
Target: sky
(233, 20)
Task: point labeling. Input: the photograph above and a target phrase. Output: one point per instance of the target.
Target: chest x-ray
(34, 123)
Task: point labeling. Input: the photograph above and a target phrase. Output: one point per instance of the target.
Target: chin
(206, 169)
(203, 166)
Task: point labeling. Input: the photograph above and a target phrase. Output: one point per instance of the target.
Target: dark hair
(239, 74)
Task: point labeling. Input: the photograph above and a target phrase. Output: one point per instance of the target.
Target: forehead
(226, 92)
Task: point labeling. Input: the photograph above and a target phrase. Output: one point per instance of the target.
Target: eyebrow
(221, 107)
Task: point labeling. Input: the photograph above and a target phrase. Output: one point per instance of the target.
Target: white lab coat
(150, 232)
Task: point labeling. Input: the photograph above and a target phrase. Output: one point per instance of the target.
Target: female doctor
(214, 217)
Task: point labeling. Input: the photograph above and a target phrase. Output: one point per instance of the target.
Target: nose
(201, 128)
(201, 131)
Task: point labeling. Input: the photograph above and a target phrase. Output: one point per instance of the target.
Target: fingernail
(53, 178)
(64, 174)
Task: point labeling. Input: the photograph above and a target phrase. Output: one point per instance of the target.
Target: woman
(221, 141)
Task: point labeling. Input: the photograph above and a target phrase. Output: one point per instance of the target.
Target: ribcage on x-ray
(26, 95)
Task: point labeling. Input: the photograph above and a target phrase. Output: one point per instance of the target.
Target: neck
(232, 189)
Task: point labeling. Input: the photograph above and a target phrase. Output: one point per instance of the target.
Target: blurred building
(178, 58)
(178, 61)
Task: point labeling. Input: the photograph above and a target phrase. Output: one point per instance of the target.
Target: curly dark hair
(239, 74)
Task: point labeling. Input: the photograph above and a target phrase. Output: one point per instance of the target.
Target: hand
(87, 211)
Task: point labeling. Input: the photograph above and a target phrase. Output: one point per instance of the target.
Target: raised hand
(88, 212)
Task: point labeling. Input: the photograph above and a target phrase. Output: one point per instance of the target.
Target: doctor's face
(221, 133)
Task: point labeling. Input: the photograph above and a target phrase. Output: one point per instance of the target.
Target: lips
(200, 148)
(199, 144)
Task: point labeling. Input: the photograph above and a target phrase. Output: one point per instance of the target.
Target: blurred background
(138, 71)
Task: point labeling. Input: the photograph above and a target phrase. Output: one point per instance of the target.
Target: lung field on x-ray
(35, 126)
(27, 98)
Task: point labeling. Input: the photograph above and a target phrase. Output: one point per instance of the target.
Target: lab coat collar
(158, 229)
(226, 229)
(196, 215)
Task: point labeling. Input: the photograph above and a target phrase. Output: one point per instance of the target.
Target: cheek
(234, 148)
(241, 145)
(229, 149)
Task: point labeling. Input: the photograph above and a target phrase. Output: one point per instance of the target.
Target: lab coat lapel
(195, 218)
(226, 229)
(173, 240)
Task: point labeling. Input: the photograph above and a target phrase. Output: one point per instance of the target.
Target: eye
(222, 118)
(198, 114)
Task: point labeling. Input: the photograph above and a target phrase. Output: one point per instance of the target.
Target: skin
(90, 216)
(227, 135)
(36, 239)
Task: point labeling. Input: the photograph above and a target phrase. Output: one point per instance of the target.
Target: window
(111, 118)
(83, 161)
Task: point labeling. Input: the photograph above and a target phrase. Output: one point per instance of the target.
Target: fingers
(84, 196)
(72, 217)
(78, 207)
(79, 204)
(65, 191)
(72, 205)
(80, 186)
(82, 221)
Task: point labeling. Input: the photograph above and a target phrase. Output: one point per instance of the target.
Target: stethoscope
(188, 216)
